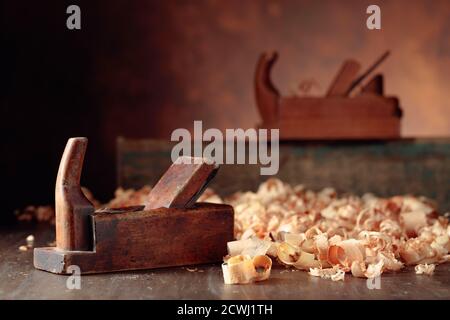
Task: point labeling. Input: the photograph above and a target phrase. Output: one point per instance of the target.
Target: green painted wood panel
(406, 166)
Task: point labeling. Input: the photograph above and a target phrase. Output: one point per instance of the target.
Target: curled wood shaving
(251, 247)
(30, 241)
(427, 269)
(122, 198)
(44, 214)
(335, 273)
(243, 269)
(128, 197)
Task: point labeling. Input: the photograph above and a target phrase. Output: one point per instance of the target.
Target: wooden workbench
(19, 280)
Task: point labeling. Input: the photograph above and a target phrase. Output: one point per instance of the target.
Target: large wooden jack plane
(367, 115)
(170, 229)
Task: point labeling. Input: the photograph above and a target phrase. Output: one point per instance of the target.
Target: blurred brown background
(144, 68)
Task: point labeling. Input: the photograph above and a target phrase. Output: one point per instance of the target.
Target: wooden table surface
(19, 280)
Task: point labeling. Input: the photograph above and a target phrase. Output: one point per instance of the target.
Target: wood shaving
(335, 273)
(128, 197)
(251, 247)
(30, 241)
(242, 269)
(191, 269)
(122, 198)
(427, 269)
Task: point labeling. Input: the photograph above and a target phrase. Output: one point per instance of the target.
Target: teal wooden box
(405, 166)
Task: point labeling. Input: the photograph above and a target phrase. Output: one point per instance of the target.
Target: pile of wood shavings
(122, 198)
(330, 236)
(323, 233)
(128, 198)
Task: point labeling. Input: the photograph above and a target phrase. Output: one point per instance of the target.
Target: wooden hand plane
(364, 116)
(170, 229)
